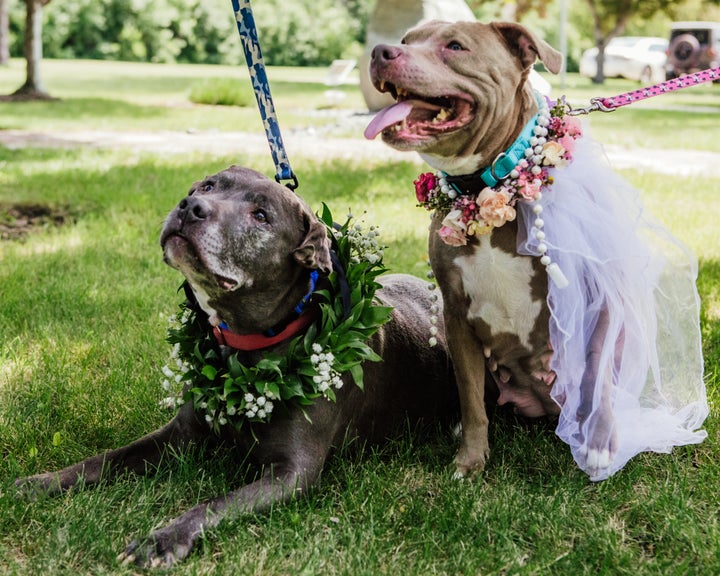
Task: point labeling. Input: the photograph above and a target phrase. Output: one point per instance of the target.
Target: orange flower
(494, 207)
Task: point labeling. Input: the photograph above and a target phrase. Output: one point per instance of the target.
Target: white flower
(168, 402)
(261, 401)
(249, 398)
(316, 348)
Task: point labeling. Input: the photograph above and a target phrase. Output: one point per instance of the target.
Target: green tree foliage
(299, 32)
(303, 32)
(144, 30)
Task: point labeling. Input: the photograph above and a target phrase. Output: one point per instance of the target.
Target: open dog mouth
(415, 117)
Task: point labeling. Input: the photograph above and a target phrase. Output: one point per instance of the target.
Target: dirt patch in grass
(19, 220)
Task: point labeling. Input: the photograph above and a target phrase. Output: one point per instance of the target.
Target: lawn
(83, 310)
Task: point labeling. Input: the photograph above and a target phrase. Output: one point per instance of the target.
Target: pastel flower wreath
(230, 392)
(551, 146)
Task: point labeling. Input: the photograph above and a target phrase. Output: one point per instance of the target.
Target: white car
(639, 58)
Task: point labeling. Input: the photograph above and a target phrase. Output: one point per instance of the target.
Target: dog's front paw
(161, 549)
(597, 462)
(31, 487)
(596, 452)
(470, 462)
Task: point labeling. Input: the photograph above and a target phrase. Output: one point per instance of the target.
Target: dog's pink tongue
(387, 117)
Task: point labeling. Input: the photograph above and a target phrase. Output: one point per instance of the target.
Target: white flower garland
(229, 392)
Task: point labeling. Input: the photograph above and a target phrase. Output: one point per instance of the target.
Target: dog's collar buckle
(505, 162)
(501, 167)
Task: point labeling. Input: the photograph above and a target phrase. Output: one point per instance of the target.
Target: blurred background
(320, 32)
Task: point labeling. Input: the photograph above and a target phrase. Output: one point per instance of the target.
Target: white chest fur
(498, 285)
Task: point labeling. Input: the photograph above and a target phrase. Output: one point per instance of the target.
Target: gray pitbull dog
(463, 98)
(246, 246)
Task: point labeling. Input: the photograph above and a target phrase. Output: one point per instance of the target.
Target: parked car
(640, 58)
(694, 46)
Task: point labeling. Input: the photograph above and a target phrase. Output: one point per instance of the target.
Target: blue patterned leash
(261, 87)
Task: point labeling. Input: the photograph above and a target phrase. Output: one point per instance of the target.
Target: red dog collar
(251, 342)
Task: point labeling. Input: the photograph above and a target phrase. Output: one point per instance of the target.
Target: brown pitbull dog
(246, 246)
(463, 98)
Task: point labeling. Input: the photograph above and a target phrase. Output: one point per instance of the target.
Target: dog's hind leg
(595, 413)
(469, 368)
(137, 457)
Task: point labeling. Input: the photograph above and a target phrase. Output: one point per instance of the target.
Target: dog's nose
(193, 209)
(385, 52)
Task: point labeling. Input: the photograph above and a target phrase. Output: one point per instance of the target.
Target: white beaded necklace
(520, 174)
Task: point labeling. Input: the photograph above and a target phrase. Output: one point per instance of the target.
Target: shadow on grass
(77, 109)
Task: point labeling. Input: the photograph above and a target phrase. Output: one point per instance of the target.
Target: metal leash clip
(596, 104)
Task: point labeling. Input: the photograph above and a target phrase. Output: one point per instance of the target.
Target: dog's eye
(207, 187)
(455, 45)
(260, 215)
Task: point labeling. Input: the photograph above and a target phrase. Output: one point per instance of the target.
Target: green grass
(82, 323)
(139, 96)
(132, 96)
(222, 91)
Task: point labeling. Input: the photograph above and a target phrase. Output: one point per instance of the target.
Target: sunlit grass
(82, 323)
(141, 96)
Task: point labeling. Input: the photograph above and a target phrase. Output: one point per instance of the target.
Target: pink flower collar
(468, 214)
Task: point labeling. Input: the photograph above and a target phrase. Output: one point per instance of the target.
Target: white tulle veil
(628, 273)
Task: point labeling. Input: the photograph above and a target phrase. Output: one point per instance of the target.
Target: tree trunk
(4, 33)
(599, 77)
(32, 47)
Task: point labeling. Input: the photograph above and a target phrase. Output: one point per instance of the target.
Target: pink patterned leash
(610, 104)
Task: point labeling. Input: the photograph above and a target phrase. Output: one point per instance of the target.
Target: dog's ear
(314, 250)
(529, 47)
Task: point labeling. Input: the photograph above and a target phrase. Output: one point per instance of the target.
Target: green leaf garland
(230, 392)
